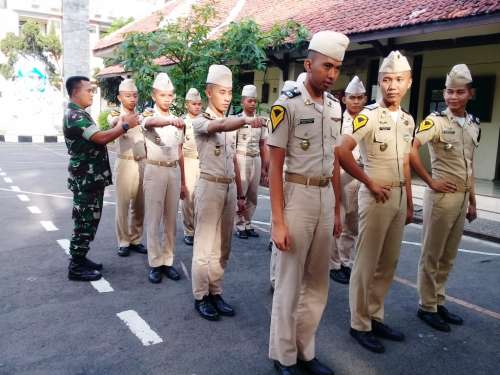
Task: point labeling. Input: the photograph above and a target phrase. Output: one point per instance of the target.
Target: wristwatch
(242, 197)
(125, 127)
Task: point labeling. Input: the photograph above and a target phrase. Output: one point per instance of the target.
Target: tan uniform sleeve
(361, 126)
(200, 125)
(427, 130)
(280, 125)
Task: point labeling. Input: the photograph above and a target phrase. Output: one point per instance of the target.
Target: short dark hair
(73, 83)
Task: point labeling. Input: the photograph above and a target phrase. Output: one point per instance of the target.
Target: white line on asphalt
(3, 173)
(34, 210)
(139, 327)
(54, 152)
(8, 180)
(64, 243)
(264, 196)
(184, 269)
(461, 250)
(15, 188)
(261, 222)
(23, 198)
(48, 225)
(262, 229)
(102, 285)
(52, 195)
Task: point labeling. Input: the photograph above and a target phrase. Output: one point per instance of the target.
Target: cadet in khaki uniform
(287, 86)
(191, 163)
(383, 132)
(129, 176)
(251, 153)
(305, 125)
(215, 196)
(164, 180)
(343, 248)
(452, 136)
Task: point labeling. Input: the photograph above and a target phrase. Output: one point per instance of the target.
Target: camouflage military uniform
(89, 174)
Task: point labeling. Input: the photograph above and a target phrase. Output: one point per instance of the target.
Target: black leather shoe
(171, 273)
(252, 233)
(270, 246)
(221, 306)
(339, 276)
(285, 370)
(189, 240)
(314, 367)
(77, 271)
(347, 271)
(139, 248)
(385, 332)
(242, 234)
(154, 275)
(272, 289)
(206, 309)
(124, 251)
(367, 340)
(449, 317)
(92, 265)
(434, 320)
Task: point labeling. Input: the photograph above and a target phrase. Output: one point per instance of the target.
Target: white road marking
(34, 210)
(184, 269)
(64, 243)
(15, 188)
(102, 285)
(3, 173)
(461, 250)
(264, 196)
(262, 229)
(54, 152)
(139, 327)
(8, 180)
(23, 198)
(261, 222)
(52, 195)
(48, 225)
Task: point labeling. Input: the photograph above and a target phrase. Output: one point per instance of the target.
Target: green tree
(32, 42)
(116, 25)
(191, 49)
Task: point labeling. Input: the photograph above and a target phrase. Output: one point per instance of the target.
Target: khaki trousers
(381, 227)
(343, 248)
(192, 172)
(161, 196)
(444, 218)
(250, 168)
(129, 214)
(214, 220)
(301, 286)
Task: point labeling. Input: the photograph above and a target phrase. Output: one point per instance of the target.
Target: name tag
(384, 128)
(448, 131)
(306, 121)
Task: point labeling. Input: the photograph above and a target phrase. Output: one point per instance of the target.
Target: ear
(365, 98)
(308, 65)
(409, 83)
(343, 99)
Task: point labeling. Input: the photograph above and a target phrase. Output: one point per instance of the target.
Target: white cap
(459, 75)
(329, 43)
(301, 78)
(395, 62)
(355, 87)
(288, 85)
(163, 83)
(249, 91)
(127, 85)
(220, 75)
(193, 94)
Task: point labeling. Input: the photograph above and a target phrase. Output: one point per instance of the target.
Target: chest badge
(157, 140)
(383, 147)
(304, 144)
(448, 147)
(217, 150)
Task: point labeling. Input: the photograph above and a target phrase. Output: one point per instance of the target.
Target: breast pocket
(449, 142)
(245, 135)
(382, 144)
(302, 138)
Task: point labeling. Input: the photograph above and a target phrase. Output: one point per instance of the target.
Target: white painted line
(262, 229)
(48, 225)
(102, 285)
(34, 210)
(53, 195)
(23, 198)
(3, 173)
(418, 244)
(8, 180)
(139, 327)
(264, 196)
(184, 269)
(64, 243)
(15, 188)
(261, 222)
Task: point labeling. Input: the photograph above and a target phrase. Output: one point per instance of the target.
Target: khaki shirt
(307, 130)
(189, 146)
(216, 151)
(130, 144)
(451, 146)
(248, 139)
(162, 143)
(383, 144)
(347, 129)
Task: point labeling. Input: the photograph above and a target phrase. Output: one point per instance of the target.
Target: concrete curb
(32, 138)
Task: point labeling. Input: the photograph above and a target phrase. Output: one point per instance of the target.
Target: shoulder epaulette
(207, 115)
(148, 112)
(115, 113)
(475, 119)
(438, 113)
(405, 111)
(331, 97)
(292, 93)
(371, 107)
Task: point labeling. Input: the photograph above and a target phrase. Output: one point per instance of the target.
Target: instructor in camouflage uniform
(89, 172)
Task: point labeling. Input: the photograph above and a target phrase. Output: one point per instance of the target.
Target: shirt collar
(454, 118)
(212, 113)
(74, 106)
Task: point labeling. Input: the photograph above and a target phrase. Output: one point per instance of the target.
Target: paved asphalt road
(49, 325)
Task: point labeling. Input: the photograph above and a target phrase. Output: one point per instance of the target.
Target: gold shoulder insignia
(359, 122)
(115, 113)
(425, 125)
(148, 112)
(277, 116)
(207, 115)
